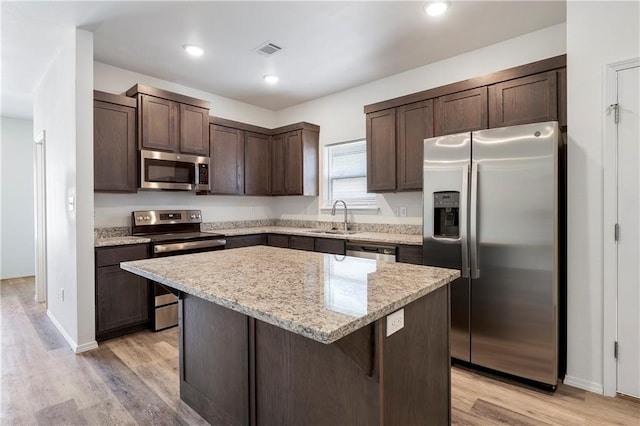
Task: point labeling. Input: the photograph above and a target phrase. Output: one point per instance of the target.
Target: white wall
(17, 250)
(115, 209)
(598, 33)
(341, 116)
(63, 108)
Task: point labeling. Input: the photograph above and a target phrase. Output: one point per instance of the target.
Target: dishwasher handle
(370, 248)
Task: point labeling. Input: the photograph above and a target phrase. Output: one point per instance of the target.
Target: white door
(628, 368)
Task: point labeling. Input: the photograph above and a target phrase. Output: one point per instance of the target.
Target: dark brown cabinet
(237, 241)
(409, 254)
(240, 158)
(122, 298)
(171, 122)
(524, 100)
(415, 124)
(114, 143)
(194, 130)
(460, 112)
(381, 151)
(227, 160)
(300, 242)
(257, 164)
(294, 156)
(395, 140)
(396, 127)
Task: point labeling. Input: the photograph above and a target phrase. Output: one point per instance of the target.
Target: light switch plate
(395, 322)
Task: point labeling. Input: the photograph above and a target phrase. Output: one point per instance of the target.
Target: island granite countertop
(320, 296)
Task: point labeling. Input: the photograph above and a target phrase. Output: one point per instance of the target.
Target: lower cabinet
(301, 243)
(122, 298)
(330, 245)
(298, 242)
(277, 240)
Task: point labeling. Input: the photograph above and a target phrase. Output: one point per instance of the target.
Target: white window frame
(365, 204)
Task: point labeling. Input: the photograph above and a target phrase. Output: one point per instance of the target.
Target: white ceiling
(328, 46)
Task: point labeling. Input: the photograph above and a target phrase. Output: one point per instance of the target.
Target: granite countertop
(320, 296)
(119, 241)
(374, 237)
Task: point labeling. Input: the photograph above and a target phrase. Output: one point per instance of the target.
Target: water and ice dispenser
(446, 213)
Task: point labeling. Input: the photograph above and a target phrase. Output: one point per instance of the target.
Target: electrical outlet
(395, 322)
(62, 294)
(403, 211)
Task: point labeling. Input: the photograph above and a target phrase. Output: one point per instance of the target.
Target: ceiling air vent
(268, 48)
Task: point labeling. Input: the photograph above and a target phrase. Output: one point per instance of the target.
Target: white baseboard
(74, 346)
(584, 384)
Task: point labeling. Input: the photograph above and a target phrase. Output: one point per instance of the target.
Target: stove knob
(138, 217)
(147, 218)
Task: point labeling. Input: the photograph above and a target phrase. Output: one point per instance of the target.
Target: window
(346, 171)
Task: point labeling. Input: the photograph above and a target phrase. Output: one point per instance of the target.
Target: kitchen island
(273, 336)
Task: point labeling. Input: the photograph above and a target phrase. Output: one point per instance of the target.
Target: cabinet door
(461, 112)
(194, 130)
(257, 164)
(415, 124)
(524, 100)
(159, 123)
(114, 148)
(278, 154)
(227, 160)
(293, 163)
(381, 151)
(122, 299)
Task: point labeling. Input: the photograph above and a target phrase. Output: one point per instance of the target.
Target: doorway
(622, 218)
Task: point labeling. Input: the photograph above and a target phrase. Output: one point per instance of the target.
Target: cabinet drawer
(330, 245)
(106, 256)
(275, 240)
(301, 243)
(409, 254)
(246, 241)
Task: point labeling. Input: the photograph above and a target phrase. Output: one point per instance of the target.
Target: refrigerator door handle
(447, 240)
(464, 238)
(473, 225)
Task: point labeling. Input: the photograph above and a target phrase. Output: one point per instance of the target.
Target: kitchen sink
(332, 231)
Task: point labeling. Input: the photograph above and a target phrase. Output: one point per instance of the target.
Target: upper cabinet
(240, 158)
(257, 164)
(227, 160)
(294, 160)
(171, 122)
(524, 100)
(394, 146)
(114, 143)
(460, 112)
(396, 128)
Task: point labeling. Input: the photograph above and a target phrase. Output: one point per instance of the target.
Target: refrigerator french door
(490, 210)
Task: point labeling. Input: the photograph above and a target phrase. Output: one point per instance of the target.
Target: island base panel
(278, 377)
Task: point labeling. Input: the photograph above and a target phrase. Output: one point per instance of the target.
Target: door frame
(610, 215)
(40, 204)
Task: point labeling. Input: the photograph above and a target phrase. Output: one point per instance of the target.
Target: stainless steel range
(172, 233)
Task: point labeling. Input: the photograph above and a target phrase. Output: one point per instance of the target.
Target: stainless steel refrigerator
(491, 211)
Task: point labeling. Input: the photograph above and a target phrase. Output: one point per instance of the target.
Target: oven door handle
(189, 245)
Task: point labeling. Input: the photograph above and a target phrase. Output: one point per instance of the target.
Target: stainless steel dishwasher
(381, 252)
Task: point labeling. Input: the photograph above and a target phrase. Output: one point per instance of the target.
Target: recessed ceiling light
(193, 50)
(436, 8)
(271, 79)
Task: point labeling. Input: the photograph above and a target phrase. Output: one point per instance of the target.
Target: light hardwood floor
(133, 380)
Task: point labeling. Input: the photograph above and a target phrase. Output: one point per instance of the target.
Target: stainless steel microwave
(166, 170)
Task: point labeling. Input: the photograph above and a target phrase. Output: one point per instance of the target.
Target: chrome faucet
(333, 213)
